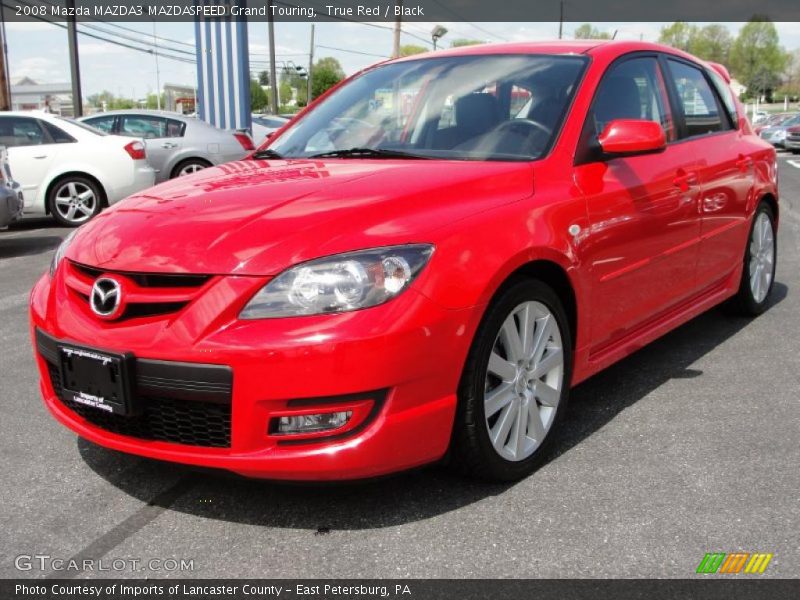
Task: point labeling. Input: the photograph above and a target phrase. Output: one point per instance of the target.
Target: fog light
(313, 423)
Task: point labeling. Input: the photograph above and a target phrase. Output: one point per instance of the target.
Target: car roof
(133, 111)
(597, 48)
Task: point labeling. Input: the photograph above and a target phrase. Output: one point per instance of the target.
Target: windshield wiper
(366, 153)
(266, 153)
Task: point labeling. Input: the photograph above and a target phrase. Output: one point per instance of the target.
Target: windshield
(482, 107)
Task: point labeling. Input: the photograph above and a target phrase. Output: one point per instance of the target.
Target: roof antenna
(613, 37)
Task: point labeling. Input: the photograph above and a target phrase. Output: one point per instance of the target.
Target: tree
(465, 42)
(263, 78)
(258, 97)
(152, 101)
(285, 92)
(411, 49)
(756, 57)
(712, 42)
(325, 73)
(587, 32)
(679, 35)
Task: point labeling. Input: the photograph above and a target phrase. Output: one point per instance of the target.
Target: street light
(437, 33)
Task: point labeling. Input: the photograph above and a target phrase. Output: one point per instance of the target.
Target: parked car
(69, 170)
(176, 145)
(792, 141)
(11, 197)
(266, 125)
(776, 134)
(775, 119)
(418, 291)
(760, 117)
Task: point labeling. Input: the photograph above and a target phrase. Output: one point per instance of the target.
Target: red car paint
(644, 242)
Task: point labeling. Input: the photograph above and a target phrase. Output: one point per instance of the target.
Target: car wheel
(74, 200)
(760, 260)
(187, 167)
(515, 384)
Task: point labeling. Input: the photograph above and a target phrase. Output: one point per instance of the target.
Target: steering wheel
(526, 123)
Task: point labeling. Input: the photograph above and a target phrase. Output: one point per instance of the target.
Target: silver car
(176, 145)
(776, 134)
(11, 202)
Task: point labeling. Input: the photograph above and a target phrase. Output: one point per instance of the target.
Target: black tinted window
(696, 100)
(105, 124)
(57, 135)
(21, 131)
(633, 89)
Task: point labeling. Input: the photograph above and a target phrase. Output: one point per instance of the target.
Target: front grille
(156, 280)
(164, 419)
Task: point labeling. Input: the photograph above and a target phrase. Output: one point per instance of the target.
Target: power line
(351, 51)
(460, 18)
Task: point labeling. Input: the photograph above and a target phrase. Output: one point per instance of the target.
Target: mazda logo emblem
(106, 297)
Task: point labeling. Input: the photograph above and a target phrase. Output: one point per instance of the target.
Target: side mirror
(632, 136)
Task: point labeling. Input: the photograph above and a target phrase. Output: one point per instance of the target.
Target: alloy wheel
(190, 168)
(762, 257)
(523, 381)
(75, 202)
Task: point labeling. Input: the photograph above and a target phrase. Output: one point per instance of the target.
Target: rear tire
(74, 199)
(189, 166)
(760, 261)
(514, 389)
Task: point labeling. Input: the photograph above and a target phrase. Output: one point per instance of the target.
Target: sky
(39, 50)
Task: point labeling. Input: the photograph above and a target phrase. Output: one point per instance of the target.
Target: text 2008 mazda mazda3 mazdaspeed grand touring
(418, 267)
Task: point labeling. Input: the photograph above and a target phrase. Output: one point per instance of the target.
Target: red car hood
(259, 217)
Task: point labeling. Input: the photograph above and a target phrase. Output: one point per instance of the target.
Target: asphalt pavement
(691, 445)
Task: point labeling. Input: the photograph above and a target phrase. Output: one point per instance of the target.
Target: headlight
(60, 251)
(339, 283)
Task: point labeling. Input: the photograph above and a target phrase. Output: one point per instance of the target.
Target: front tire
(74, 200)
(760, 260)
(515, 385)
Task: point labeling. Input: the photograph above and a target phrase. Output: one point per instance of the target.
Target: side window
(21, 131)
(104, 124)
(175, 128)
(633, 89)
(57, 135)
(726, 93)
(144, 126)
(696, 100)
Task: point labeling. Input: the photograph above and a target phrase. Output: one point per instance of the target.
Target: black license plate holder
(98, 379)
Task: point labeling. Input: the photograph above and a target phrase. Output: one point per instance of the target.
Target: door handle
(684, 181)
(40, 157)
(169, 145)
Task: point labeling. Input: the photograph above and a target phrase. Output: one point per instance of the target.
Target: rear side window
(58, 136)
(633, 89)
(143, 126)
(726, 93)
(696, 100)
(175, 128)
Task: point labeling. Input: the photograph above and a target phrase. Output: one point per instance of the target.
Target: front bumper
(791, 143)
(407, 354)
(11, 204)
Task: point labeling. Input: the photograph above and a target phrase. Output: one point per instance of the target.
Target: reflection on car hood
(259, 217)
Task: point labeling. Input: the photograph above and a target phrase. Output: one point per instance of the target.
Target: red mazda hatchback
(418, 267)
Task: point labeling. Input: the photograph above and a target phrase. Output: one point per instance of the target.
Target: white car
(265, 125)
(69, 170)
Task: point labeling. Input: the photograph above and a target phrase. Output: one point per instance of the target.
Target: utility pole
(158, 74)
(273, 74)
(310, 67)
(74, 66)
(5, 87)
(560, 19)
(398, 20)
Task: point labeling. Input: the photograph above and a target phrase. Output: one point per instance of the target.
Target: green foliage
(587, 32)
(680, 35)
(263, 78)
(411, 49)
(259, 100)
(757, 58)
(326, 73)
(152, 101)
(712, 42)
(465, 42)
(285, 92)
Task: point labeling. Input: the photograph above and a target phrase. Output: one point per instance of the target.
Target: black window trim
(45, 125)
(114, 122)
